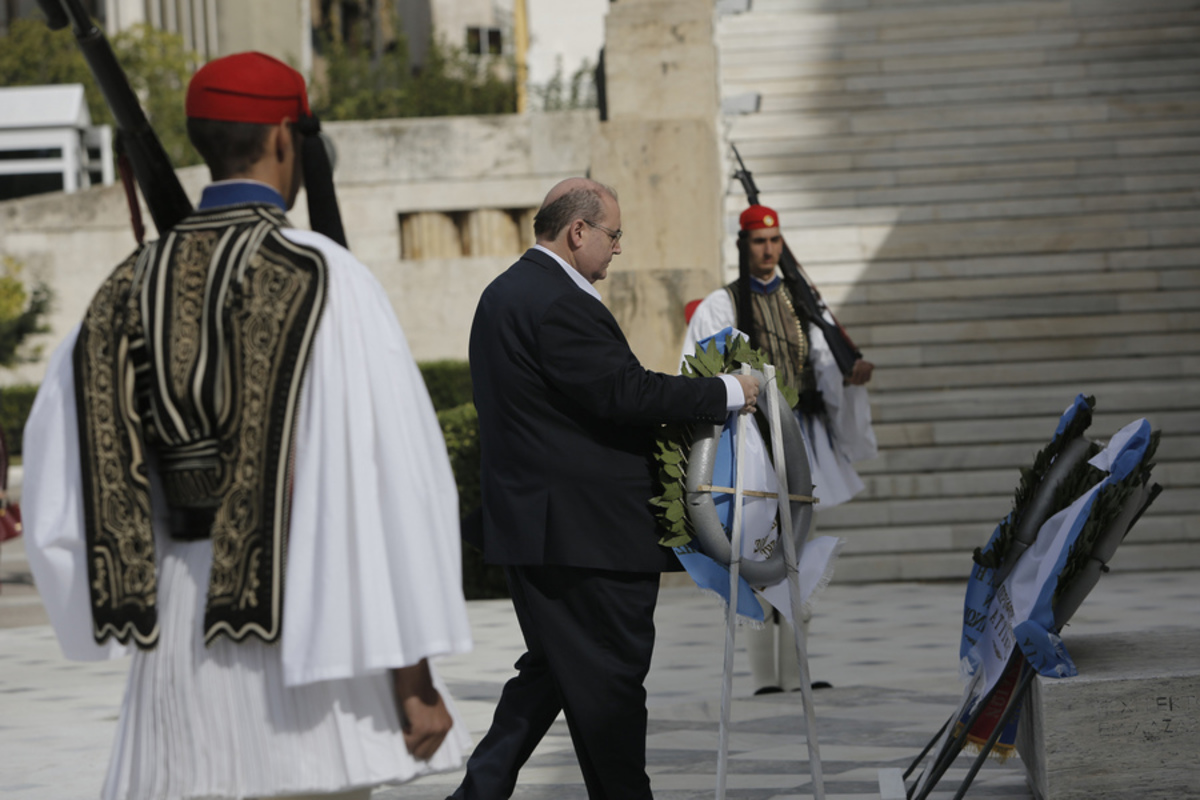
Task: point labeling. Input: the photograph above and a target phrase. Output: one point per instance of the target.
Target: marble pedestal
(1127, 726)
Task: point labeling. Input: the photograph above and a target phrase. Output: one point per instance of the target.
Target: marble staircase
(1001, 202)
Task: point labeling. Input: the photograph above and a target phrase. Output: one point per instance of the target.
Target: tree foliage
(22, 312)
(561, 94)
(157, 64)
(451, 81)
(159, 69)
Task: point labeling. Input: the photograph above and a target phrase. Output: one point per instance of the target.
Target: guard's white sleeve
(52, 511)
(373, 572)
(848, 408)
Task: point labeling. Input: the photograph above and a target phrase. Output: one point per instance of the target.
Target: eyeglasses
(614, 235)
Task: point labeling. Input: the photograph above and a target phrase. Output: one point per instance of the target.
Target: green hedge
(448, 382)
(460, 427)
(15, 402)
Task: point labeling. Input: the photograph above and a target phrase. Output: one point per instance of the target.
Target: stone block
(448, 149)
(649, 307)
(666, 175)
(436, 313)
(660, 60)
(1127, 726)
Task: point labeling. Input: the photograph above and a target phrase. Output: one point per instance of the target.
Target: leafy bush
(448, 382)
(15, 402)
(22, 312)
(460, 427)
(450, 82)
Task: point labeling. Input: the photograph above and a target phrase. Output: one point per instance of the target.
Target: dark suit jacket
(567, 420)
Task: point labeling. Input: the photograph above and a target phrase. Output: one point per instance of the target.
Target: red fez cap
(247, 87)
(756, 217)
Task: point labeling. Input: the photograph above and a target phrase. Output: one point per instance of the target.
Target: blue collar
(765, 288)
(236, 193)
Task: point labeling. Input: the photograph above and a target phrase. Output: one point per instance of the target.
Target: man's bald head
(573, 198)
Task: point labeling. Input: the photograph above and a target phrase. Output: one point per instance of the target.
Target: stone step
(983, 354)
(1127, 138)
(953, 116)
(860, 79)
(1182, 479)
(857, 316)
(985, 427)
(982, 510)
(894, 272)
(854, 35)
(841, 295)
(882, 15)
(779, 50)
(1000, 237)
(771, 31)
(1031, 329)
(1175, 447)
(990, 482)
(965, 202)
(1012, 413)
(1029, 373)
(935, 271)
(778, 53)
(1098, 184)
(786, 41)
(965, 537)
(934, 522)
(999, 76)
(830, 62)
(878, 193)
(1036, 89)
(883, 167)
(873, 567)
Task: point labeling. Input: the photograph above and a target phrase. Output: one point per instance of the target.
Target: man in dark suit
(567, 419)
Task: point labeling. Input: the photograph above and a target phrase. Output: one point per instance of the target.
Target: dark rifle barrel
(844, 351)
(152, 167)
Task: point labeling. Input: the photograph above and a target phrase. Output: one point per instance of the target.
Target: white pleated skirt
(217, 721)
(834, 478)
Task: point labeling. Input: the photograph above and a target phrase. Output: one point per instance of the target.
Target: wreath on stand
(686, 454)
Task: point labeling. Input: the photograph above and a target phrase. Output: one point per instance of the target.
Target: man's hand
(860, 373)
(424, 719)
(750, 390)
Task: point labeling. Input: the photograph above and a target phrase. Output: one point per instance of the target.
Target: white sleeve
(848, 408)
(52, 511)
(374, 576)
(714, 314)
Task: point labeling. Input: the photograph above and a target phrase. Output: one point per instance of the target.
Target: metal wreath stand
(795, 480)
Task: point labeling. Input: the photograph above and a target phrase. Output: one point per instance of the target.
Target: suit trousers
(589, 635)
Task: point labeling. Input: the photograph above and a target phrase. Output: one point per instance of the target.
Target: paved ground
(889, 649)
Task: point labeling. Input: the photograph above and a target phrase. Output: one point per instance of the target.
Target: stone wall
(660, 149)
(467, 185)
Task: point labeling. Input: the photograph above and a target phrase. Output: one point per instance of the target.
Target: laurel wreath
(1106, 507)
(1032, 477)
(675, 441)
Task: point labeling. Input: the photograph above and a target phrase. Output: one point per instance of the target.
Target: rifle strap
(135, 209)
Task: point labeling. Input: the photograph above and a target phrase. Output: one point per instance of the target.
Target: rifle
(845, 353)
(152, 167)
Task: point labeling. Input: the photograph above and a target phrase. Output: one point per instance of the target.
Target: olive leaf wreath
(675, 441)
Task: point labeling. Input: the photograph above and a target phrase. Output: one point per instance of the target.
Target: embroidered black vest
(191, 356)
(781, 334)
